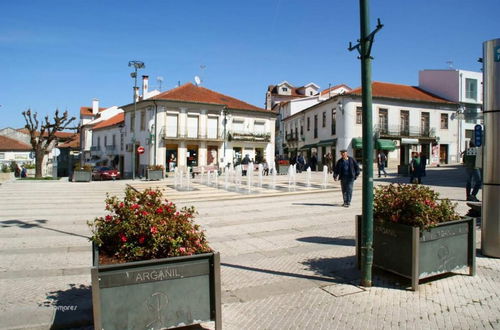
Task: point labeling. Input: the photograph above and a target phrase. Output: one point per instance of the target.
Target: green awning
(328, 142)
(308, 146)
(357, 143)
(382, 144)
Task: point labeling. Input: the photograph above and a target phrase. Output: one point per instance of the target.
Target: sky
(62, 54)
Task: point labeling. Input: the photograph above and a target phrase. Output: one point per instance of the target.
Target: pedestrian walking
(473, 174)
(329, 162)
(346, 170)
(415, 168)
(381, 162)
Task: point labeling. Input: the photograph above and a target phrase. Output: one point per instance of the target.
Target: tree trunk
(39, 163)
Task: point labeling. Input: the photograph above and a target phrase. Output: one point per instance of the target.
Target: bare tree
(43, 136)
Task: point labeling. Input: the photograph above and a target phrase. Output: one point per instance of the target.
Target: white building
(189, 123)
(405, 119)
(286, 101)
(108, 144)
(460, 86)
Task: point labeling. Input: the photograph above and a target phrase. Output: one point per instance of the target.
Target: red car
(105, 173)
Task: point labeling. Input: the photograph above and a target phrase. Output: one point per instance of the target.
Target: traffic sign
(140, 150)
(478, 135)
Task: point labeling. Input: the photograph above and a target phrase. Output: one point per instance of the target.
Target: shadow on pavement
(34, 224)
(444, 176)
(315, 204)
(328, 240)
(73, 307)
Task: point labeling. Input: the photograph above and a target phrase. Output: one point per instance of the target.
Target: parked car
(105, 173)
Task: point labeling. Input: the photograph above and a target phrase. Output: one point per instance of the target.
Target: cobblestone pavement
(287, 258)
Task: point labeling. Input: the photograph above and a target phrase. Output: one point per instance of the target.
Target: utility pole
(137, 65)
(364, 47)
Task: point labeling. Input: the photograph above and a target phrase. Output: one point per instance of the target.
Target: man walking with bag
(347, 170)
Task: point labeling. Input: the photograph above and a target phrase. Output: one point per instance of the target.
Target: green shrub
(413, 205)
(6, 168)
(144, 226)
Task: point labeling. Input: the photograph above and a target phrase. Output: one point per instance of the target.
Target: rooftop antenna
(159, 79)
(450, 64)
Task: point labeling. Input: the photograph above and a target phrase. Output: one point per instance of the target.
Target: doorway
(192, 156)
(443, 154)
(171, 157)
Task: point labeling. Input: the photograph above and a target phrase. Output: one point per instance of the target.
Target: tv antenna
(159, 79)
(450, 64)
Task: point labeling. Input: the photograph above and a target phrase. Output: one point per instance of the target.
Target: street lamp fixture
(225, 112)
(137, 65)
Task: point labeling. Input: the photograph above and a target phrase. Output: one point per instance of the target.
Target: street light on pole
(225, 112)
(137, 65)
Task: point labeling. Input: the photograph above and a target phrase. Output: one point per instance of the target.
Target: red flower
(121, 204)
(151, 193)
(141, 239)
(134, 206)
(182, 250)
(154, 230)
(144, 213)
(109, 218)
(123, 238)
(159, 210)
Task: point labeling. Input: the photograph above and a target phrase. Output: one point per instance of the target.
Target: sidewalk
(287, 259)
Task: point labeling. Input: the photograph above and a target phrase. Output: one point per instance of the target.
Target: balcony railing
(111, 148)
(405, 130)
(174, 134)
(95, 148)
(248, 136)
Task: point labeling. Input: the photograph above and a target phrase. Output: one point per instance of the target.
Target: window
(114, 140)
(238, 125)
(470, 114)
(98, 143)
(359, 115)
(334, 121)
(296, 133)
(301, 130)
(259, 127)
(2, 155)
(308, 124)
(424, 124)
(311, 93)
(324, 119)
(212, 127)
(444, 121)
(405, 123)
(143, 120)
(315, 126)
(471, 88)
(284, 89)
(132, 122)
(192, 126)
(382, 121)
(105, 140)
(171, 129)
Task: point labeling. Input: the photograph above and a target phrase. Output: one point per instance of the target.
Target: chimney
(136, 94)
(95, 106)
(145, 81)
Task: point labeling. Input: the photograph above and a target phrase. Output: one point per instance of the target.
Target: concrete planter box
(157, 294)
(154, 175)
(416, 255)
(82, 176)
(6, 176)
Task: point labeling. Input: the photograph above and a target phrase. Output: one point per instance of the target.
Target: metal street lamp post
(137, 65)
(225, 112)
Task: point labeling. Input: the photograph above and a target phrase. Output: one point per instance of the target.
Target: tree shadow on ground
(328, 240)
(35, 224)
(444, 176)
(73, 307)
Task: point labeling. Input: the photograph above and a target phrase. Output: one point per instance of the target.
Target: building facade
(463, 87)
(193, 126)
(405, 119)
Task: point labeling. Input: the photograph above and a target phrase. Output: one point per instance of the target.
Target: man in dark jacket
(347, 170)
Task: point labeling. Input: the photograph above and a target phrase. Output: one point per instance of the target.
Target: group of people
(418, 165)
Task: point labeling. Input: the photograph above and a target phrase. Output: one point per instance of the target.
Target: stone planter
(416, 255)
(7, 176)
(157, 294)
(154, 175)
(82, 176)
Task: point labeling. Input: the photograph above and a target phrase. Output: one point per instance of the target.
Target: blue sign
(478, 135)
(496, 55)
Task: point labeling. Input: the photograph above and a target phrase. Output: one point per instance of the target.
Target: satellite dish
(197, 80)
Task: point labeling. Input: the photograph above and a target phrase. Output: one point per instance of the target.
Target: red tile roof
(74, 143)
(9, 144)
(115, 120)
(60, 135)
(191, 93)
(334, 88)
(404, 92)
(87, 111)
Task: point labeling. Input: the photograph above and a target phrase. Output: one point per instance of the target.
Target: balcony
(248, 136)
(404, 131)
(173, 134)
